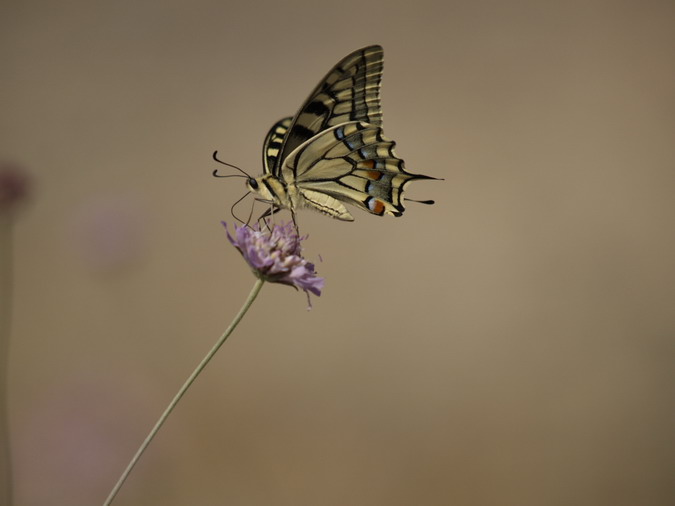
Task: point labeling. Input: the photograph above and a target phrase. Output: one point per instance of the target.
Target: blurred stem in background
(5, 328)
(13, 190)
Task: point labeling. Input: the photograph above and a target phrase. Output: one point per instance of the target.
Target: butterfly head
(253, 185)
(268, 188)
(258, 187)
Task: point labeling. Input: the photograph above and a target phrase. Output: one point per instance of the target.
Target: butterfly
(333, 151)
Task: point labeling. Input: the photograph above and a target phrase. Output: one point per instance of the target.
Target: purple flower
(276, 256)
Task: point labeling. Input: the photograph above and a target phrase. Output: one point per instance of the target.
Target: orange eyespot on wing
(376, 206)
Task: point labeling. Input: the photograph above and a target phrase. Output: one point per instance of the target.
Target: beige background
(512, 345)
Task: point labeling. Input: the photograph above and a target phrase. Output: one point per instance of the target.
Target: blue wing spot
(340, 133)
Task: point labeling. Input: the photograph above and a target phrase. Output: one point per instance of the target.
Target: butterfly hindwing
(349, 92)
(353, 163)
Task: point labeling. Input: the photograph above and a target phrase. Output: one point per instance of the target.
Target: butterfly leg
(295, 223)
(272, 210)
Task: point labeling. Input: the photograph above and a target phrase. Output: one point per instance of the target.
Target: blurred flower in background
(14, 188)
(110, 232)
(14, 185)
(76, 432)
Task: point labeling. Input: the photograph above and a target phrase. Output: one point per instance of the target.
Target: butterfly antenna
(232, 210)
(215, 172)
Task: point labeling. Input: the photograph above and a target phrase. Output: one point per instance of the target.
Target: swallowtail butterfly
(333, 151)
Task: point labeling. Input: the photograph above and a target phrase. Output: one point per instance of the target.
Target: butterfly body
(333, 150)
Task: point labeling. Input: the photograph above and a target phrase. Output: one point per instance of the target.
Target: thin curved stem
(251, 297)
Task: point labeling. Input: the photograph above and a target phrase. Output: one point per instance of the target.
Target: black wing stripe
(274, 141)
(349, 92)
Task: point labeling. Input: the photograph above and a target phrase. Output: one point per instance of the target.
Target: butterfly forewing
(349, 92)
(273, 143)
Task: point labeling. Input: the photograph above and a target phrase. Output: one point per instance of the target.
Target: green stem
(251, 297)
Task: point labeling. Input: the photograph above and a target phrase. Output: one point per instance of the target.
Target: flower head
(276, 256)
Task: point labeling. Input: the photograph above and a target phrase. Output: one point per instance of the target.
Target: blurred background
(511, 345)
